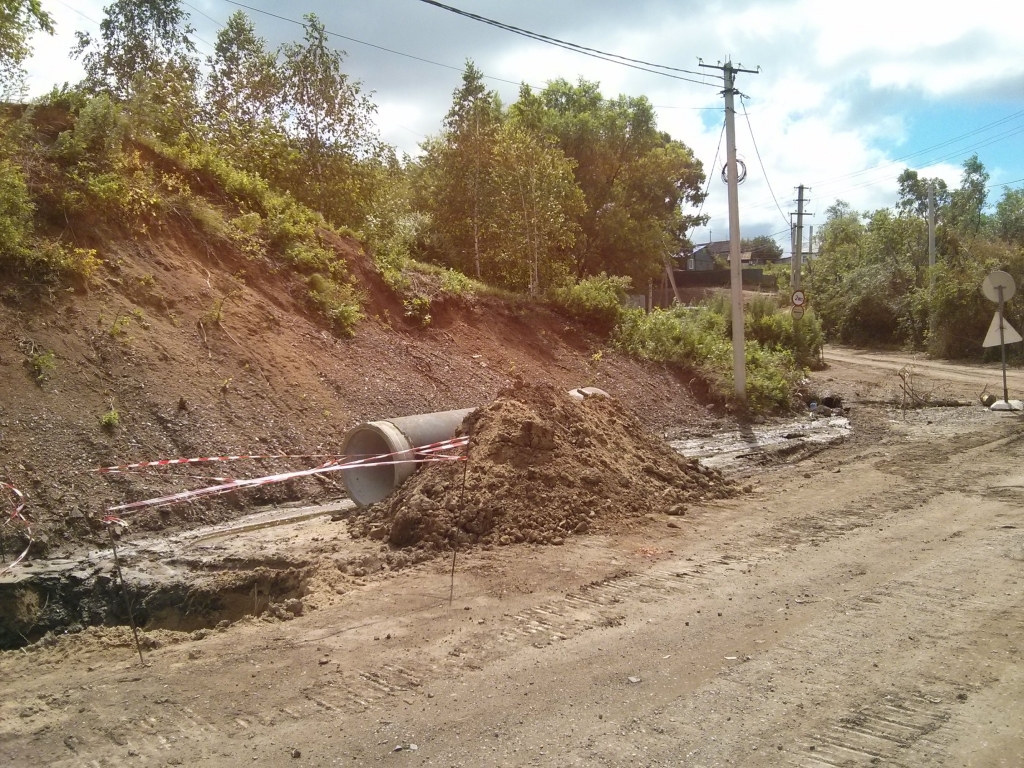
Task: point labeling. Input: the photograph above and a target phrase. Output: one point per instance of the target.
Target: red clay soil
(202, 352)
(541, 466)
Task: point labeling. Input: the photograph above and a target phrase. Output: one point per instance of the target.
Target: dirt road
(862, 607)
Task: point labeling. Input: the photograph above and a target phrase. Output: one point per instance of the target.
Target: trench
(200, 578)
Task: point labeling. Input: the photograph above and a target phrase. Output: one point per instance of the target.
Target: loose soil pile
(542, 466)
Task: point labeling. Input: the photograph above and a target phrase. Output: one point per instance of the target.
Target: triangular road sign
(1010, 336)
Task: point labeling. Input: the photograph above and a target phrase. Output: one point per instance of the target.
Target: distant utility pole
(798, 246)
(739, 361)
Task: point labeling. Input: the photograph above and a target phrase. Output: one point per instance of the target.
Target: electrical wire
(759, 160)
(592, 52)
(711, 175)
(409, 55)
(1005, 184)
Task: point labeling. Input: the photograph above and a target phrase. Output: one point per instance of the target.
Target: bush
(339, 302)
(594, 301)
(698, 336)
(15, 210)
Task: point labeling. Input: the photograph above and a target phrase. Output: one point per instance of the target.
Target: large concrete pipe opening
(399, 437)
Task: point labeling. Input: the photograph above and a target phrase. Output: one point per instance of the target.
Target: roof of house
(715, 246)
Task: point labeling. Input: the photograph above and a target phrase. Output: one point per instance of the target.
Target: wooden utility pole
(739, 363)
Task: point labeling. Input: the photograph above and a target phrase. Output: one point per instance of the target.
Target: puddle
(727, 450)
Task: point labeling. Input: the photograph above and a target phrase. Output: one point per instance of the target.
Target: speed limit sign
(799, 299)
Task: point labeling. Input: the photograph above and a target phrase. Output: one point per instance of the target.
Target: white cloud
(837, 94)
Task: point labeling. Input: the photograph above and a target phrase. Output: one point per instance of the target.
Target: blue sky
(845, 89)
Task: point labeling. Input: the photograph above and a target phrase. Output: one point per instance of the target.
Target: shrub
(594, 301)
(15, 209)
(110, 420)
(698, 336)
(339, 302)
(42, 365)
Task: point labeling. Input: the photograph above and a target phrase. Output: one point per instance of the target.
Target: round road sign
(994, 281)
(799, 299)
(798, 312)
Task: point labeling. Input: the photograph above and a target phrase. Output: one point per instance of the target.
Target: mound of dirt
(542, 466)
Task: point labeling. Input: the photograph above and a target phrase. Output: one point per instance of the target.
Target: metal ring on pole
(743, 172)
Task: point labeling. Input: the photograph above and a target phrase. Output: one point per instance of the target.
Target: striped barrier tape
(202, 459)
(16, 509)
(429, 453)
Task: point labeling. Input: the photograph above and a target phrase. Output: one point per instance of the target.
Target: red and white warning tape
(202, 459)
(427, 453)
(17, 505)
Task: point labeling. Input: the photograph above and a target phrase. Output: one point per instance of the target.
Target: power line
(408, 55)
(1006, 184)
(759, 160)
(711, 174)
(614, 58)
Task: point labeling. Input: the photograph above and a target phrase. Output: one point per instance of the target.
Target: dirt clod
(542, 467)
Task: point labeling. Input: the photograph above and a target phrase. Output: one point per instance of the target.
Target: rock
(379, 533)
(633, 680)
(294, 606)
(199, 634)
(676, 510)
(296, 753)
(222, 625)
(582, 527)
(672, 524)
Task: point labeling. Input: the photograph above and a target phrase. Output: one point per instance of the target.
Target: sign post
(998, 286)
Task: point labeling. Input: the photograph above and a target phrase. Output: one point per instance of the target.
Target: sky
(847, 96)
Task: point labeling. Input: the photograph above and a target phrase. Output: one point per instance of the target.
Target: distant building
(703, 257)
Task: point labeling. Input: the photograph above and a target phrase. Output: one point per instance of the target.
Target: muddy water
(741, 450)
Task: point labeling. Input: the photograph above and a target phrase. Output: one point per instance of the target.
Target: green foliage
(594, 301)
(42, 365)
(761, 247)
(337, 301)
(697, 336)
(16, 211)
(110, 420)
(19, 19)
(140, 42)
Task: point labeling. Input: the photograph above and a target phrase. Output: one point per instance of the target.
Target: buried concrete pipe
(399, 438)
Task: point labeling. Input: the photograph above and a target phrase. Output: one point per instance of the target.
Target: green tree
(19, 19)
(243, 110)
(762, 247)
(635, 179)
(453, 180)
(243, 89)
(331, 121)
(139, 41)
(913, 194)
(536, 206)
(967, 204)
(1009, 217)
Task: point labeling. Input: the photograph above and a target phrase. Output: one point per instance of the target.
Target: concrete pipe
(401, 436)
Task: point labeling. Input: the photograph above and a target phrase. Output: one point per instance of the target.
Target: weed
(119, 326)
(595, 301)
(42, 365)
(110, 420)
(338, 301)
(418, 308)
